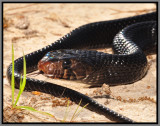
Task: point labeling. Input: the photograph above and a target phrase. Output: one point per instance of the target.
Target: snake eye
(66, 64)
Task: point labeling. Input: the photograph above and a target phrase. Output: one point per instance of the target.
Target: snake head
(66, 64)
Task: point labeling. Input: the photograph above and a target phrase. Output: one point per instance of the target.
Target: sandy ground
(32, 26)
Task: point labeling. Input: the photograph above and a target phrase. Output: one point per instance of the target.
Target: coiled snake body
(127, 65)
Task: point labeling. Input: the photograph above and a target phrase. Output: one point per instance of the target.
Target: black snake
(131, 37)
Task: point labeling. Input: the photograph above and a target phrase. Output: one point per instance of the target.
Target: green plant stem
(79, 112)
(66, 112)
(34, 110)
(76, 110)
(22, 84)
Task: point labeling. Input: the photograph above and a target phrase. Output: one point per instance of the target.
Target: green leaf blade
(34, 110)
(22, 83)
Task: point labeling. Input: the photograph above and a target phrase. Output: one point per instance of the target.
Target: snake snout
(51, 69)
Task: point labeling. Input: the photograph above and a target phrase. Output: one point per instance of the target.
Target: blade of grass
(12, 81)
(24, 73)
(79, 112)
(76, 109)
(34, 110)
(66, 112)
(22, 85)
